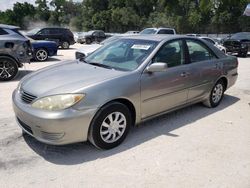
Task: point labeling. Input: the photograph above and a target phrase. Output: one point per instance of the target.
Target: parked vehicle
(193, 35)
(169, 31)
(62, 36)
(43, 49)
(92, 36)
(234, 46)
(15, 50)
(243, 37)
(121, 84)
(216, 44)
(132, 32)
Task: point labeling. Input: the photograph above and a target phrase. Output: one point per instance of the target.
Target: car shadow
(163, 125)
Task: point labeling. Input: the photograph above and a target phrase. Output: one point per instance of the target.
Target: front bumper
(56, 128)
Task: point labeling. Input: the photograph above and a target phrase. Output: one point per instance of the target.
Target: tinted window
(166, 31)
(54, 31)
(44, 32)
(95, 34)
(148, 31)
(2, 32)
(198, 52)
(240, 36)
(102, 34)
(171, 53)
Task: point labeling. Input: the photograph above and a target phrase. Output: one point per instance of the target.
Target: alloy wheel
(41, 55)
(7, 69)
(217, 93)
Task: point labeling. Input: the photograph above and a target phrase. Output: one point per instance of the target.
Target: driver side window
(43, 32)
(171, 53)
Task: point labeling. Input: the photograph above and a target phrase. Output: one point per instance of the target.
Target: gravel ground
(192, 147)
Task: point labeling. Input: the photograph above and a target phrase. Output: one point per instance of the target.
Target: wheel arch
(13, 58)
(225, 81)
(123, 101)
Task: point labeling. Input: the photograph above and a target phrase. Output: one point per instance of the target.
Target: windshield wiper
(101, 65)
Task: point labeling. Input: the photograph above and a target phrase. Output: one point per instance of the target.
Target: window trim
(203, 45)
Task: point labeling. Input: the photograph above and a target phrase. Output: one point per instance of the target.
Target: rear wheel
(216, 95)
(243, 54)
(88, 41)
(110, 126)
(8, 68)
(41, 54)
(65, 45)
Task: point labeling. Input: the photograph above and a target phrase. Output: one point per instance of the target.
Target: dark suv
(238, 43)
(15, 50)
(62, 36)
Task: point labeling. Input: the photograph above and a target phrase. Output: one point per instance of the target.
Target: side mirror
(157, 67)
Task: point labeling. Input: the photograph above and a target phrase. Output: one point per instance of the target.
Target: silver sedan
(119, 85)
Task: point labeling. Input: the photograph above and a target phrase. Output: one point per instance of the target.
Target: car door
(204, 69)
(42, 34)
(162, 91)
(55, 35)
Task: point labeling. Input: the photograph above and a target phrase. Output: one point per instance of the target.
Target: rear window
(148, 31)
(3, 32)
(166, 31)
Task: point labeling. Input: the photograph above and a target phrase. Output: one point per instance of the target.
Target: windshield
(90, 32)
(109, 40)
(33, 31)
(240, 36)
(148, 31)
(122, 54)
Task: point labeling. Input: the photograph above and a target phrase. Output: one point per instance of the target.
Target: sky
(8, 4)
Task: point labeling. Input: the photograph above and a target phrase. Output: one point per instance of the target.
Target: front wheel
(41, 55)
(110, 126)
(216, 95)
(8, 69)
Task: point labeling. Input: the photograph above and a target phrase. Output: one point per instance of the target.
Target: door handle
(185, 74)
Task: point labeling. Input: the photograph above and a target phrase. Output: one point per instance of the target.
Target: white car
(156, 31)
(216, 44)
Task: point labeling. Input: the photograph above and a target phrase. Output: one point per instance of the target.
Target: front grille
(27, 98)
(24, 126)
(51, 136)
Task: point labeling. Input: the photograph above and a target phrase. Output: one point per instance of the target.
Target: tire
(8, 68)
(244, 54)
(216, 95)
(65, 45)
(41, 54)
(88, 41)
(102, 131)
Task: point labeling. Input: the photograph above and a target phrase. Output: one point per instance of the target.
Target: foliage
(186, 16)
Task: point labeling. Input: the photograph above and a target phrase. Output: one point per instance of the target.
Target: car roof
(157, 38)
(158, 28)
(8, 26)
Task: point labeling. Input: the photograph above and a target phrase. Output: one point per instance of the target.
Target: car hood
(67, 77)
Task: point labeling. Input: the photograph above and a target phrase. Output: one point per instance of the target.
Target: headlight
(58, 102)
